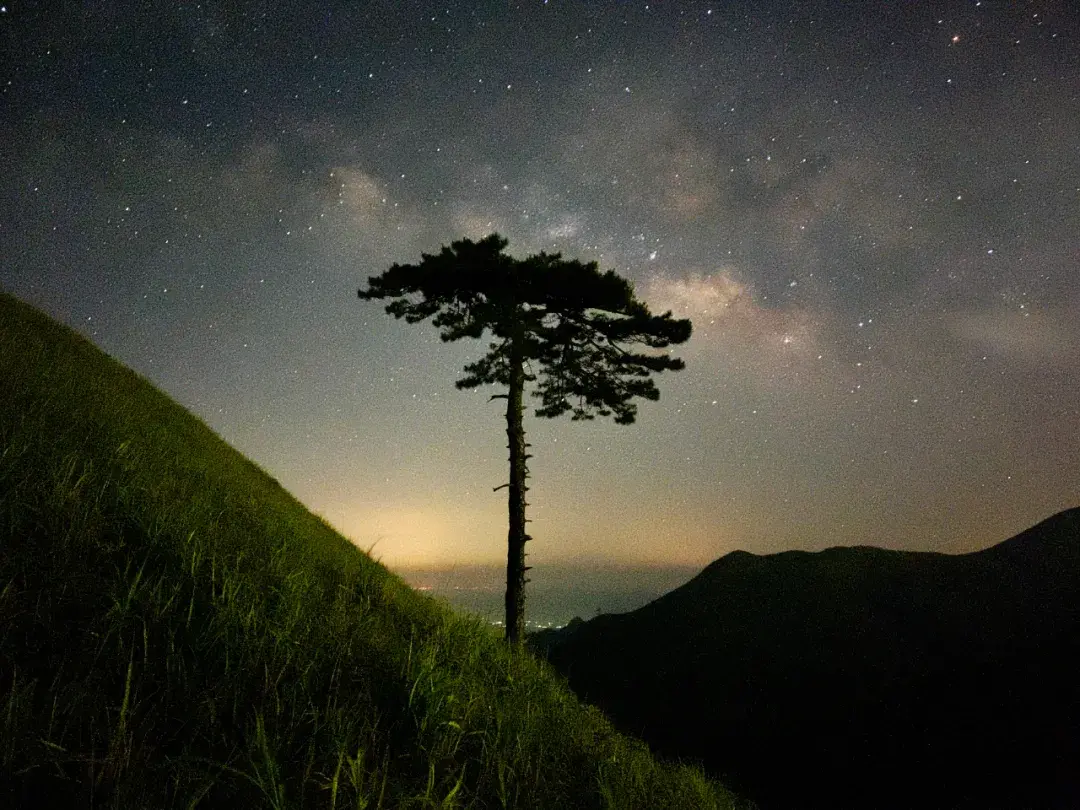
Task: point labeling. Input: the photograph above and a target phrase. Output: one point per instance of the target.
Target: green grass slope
(177, 631)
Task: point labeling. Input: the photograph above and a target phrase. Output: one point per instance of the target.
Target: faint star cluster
(869, 211)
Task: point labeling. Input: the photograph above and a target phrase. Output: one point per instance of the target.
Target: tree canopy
(572, 324)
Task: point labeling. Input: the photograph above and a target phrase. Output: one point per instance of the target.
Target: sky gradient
(871, 213)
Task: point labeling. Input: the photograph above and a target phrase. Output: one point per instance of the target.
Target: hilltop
(176, 630)
(873, 678)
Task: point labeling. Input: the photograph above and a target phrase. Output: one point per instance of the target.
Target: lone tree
(562, 325)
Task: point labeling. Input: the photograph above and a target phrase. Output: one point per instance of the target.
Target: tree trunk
(515, 551)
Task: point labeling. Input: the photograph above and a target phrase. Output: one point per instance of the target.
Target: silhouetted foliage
(560, 325)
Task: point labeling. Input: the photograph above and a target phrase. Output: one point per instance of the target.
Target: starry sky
(870, 211)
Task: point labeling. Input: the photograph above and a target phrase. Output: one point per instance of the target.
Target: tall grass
(177, 631)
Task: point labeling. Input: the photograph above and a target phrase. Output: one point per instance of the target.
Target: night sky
(871, 212)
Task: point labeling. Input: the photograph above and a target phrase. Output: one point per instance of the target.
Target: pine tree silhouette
(559, 325)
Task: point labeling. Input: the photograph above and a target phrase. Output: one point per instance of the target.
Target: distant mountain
(859, 677)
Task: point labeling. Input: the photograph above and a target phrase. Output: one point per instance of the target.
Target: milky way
(870, 211)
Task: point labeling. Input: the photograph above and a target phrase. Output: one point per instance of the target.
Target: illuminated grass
(177, 631)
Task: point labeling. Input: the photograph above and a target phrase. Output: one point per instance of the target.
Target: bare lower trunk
(516, 539)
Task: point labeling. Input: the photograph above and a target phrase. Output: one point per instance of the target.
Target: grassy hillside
(870, 678)
(177, 631)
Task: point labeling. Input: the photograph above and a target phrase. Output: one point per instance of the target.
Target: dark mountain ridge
(876, 678)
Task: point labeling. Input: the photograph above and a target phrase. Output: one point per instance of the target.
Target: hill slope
(177, 631)
(869, 678)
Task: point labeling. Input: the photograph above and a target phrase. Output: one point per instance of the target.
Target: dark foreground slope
(858, 677)
(177, 631)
